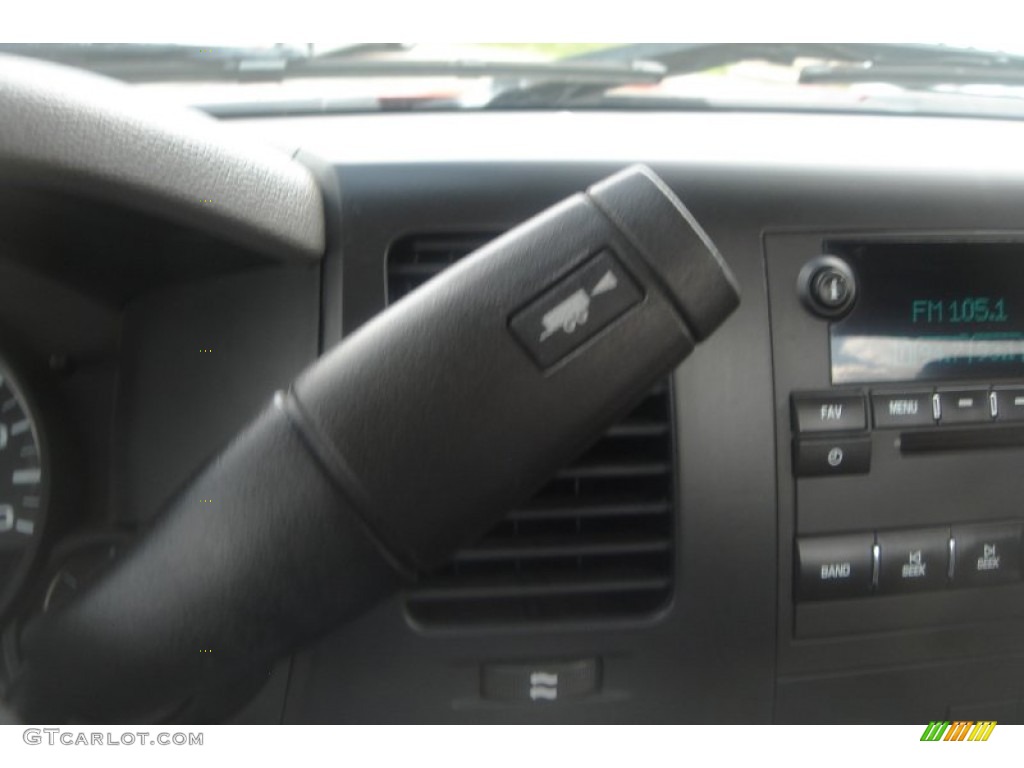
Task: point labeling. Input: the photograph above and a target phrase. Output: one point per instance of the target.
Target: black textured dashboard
(733, 643)
(671, 544)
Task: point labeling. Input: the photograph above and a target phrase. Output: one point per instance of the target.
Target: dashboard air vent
(596, 542)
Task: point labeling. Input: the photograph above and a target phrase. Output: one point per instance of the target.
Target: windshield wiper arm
(565, 83)
(171, 63)
(134, 62)
(249, 69)
(908, 63)
(914, 75)
(695, 57)
(674, 58)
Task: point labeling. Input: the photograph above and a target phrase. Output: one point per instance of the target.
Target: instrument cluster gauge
(24, 483)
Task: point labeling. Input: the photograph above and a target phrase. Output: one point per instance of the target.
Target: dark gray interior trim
(68, 129)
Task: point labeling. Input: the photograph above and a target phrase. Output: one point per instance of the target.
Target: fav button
(910, 561)
(902, 409)
(987, 554)
(828, 412)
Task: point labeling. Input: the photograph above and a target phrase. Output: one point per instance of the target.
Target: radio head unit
(939, 311)
(899, 394)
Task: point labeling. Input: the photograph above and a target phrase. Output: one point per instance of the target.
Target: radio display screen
(929, 312)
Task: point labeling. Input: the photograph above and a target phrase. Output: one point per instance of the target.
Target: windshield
(294, 78)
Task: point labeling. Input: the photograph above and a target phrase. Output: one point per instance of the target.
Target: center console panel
(899, 394)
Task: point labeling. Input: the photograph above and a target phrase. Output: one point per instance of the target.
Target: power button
(831, 288)
(837, 456)
(827, 286)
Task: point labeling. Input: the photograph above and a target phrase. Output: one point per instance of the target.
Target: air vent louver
(596, 542)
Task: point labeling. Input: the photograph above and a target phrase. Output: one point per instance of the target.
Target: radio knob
(827, 286)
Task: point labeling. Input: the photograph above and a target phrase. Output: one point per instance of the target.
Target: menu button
(902, 409)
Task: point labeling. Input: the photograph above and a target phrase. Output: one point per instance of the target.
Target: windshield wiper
(909, 64)
(675, 58)
(151, 64)
(916, 75)
(695, 57)
(133, 62)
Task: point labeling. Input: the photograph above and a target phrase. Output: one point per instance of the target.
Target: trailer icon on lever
(575, 310)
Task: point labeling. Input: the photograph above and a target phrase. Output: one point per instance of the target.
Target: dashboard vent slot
(415, 260)
(595, 543)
